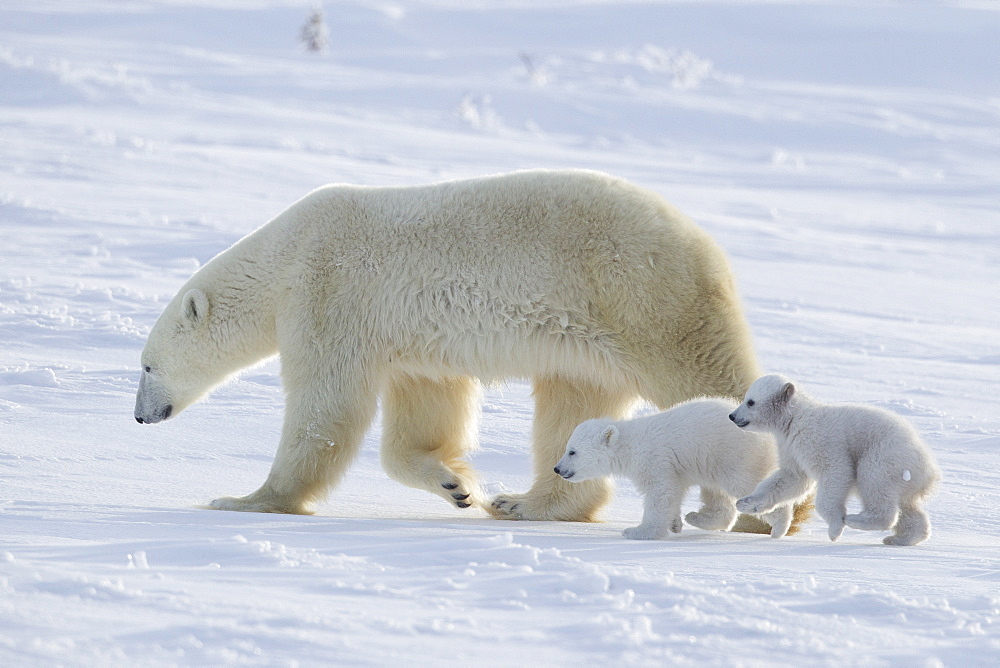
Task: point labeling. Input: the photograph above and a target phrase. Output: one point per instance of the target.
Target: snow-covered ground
(846, 155)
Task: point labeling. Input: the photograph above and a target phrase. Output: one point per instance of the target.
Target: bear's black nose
(732, 416)
(139, 420)
(558, 472)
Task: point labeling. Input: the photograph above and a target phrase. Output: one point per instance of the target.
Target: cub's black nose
(139, 420)
(732, 416)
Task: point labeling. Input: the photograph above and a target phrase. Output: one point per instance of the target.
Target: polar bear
(664, 454)
(843, 448)
(597, 290)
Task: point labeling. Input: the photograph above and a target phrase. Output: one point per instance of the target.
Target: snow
(843, 153)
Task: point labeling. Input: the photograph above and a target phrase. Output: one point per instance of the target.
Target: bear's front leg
(318, 443)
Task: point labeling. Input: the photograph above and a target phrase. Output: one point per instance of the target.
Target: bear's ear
(786, 393)
(610, 435)
(195, 306)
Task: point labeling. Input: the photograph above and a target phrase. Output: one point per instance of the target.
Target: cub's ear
(786, 393)
(195, 306)
(610, 435)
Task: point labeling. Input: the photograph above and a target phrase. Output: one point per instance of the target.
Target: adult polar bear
(598, 291)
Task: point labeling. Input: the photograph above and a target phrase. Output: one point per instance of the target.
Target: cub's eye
(571, 453)
(750, 402)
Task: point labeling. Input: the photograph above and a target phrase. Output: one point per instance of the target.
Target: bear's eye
(750, 402)
(147, 368)
(571, 453)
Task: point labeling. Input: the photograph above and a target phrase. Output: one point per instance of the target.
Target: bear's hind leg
(914, 526)
(428, 427)
(560, 405)
(717, 512)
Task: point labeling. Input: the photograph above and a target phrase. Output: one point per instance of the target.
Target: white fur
(597, 290)
(843, 448)
(664, 454)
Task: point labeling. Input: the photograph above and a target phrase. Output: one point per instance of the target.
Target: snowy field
(846, 155)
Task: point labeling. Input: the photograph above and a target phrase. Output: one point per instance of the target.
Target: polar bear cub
(664, 454)
(843, 448)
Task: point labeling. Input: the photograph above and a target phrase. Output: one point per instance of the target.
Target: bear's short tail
(801, 512)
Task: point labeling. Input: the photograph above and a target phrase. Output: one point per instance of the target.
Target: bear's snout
(739, 423)
(160, 416)
(566, 475)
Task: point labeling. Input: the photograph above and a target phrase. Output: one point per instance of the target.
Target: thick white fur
(843, 448)
(665, 454)
(598, 291)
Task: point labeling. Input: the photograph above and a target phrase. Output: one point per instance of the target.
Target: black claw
(450, 485)
(459, 496)
(463, 504)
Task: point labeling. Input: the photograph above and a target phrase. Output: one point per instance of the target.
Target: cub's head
(180, 360)
(765, 406)
(589, 451)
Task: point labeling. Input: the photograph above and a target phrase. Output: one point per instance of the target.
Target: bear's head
(589, 451)
(181, 359)
(765, 406)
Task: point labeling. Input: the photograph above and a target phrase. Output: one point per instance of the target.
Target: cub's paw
(647, 532)
(836, 530)
(752, 504)
(706, 521)
(249, 504)
(870, 522)
(640, 533)
(780, 520)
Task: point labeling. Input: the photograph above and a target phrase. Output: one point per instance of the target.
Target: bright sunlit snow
(845, 154)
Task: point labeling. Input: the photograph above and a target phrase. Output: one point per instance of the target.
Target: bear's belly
(513, 352)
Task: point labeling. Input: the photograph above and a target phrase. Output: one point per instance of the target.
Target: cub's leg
(780, 520)
(786, 484)
(914, 526)
(831, 499)
(428, 427)
(661, 511)
(879, 499)
(717, 512)
(560, 405)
